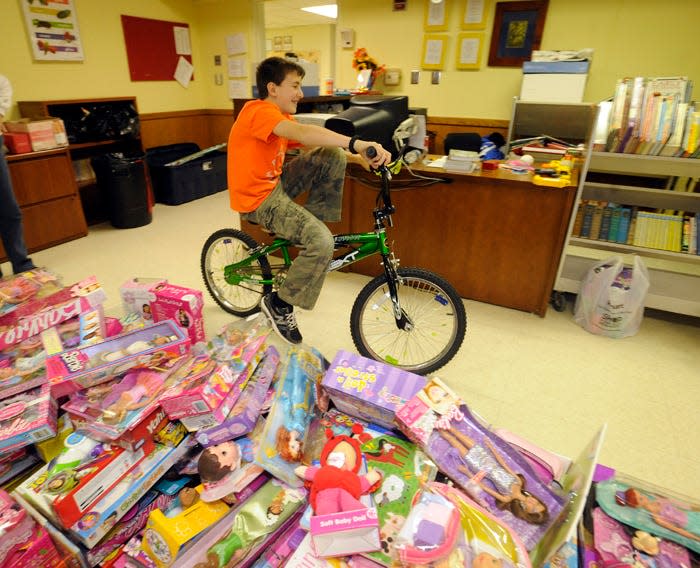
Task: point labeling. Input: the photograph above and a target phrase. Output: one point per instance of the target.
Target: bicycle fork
(403, 322)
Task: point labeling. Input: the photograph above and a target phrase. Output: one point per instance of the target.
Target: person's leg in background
(11, 229)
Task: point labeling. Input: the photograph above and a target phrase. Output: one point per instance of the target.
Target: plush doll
(336, 485)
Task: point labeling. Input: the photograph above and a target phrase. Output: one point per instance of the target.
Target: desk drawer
(37, 179)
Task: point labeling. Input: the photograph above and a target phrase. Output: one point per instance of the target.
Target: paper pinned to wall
(237, 66)
(182, 40)
(183, 72)
(236, 43)
(238, 89)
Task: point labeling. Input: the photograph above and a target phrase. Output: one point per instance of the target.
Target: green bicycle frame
(367, 244)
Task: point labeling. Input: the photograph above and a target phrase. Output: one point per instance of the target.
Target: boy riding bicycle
(262, 186)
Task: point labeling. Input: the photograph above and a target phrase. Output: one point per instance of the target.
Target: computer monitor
(372, 117)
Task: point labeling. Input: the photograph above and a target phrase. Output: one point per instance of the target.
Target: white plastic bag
(611, 299)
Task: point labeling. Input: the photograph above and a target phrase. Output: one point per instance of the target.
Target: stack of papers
(462, 161)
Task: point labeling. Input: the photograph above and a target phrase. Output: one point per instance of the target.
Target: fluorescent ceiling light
(327, 10)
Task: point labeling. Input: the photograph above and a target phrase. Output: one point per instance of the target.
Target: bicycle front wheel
(436, 315)
(229, 246)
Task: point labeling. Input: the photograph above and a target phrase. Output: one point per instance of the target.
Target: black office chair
(463, 141)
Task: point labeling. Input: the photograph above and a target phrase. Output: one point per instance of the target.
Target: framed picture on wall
(475, 14)
(517, 31)
(434, 47)
(436, 15)
(469, 49)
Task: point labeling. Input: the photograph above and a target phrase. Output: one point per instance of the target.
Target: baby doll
(336, 485)
(221, 469)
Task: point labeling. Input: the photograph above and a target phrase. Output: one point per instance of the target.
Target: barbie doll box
(26, 418)
(83, 367)
(368, 389)
(184, 305)
(41, 313)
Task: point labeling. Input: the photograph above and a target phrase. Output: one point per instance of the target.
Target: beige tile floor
(543, 378)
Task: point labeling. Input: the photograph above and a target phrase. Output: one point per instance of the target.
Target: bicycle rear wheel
(432, 305)
(229, 246)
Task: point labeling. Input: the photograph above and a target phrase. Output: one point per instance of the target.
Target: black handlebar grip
(371, 152)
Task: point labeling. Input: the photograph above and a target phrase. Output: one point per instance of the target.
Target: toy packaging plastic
(494, 474)
(405, 469)
(246, 411)
(20, 288)
(282, 443)
(83, 367)
(368, 389)
(65, 492)
(41, 313)
(119, 406)
(168, 531)
(651, 509)
(235, 538)
(102, 516)
(26, 418)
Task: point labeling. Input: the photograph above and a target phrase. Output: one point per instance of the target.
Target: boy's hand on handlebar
(379, 157)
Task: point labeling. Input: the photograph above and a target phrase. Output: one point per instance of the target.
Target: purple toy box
(368, 389)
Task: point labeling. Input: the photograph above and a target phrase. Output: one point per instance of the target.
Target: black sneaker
(282, 319)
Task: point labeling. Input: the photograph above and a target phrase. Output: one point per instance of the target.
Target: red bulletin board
(150, 48)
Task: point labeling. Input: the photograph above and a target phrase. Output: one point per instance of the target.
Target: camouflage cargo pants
(321, 172)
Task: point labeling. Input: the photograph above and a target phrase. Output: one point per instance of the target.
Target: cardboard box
(44, 134)
(26, 418)
(66, 496)
(345, 533)
(368, 389)
(18, 142)
(183, 305)
(98, 521)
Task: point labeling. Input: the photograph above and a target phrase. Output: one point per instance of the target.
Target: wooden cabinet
(45, 188)
(495, 236)
(674, 276)
(94, 127)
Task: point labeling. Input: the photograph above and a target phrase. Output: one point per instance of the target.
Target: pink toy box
(349, 532)
(41, 313)
(368, 389)
(83, 367)
(20, 288)
(26, 418)
(183, 305)
(208, 387)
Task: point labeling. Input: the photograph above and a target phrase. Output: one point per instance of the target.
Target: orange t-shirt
(255, 154)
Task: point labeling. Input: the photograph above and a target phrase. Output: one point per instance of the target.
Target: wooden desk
(495, 236)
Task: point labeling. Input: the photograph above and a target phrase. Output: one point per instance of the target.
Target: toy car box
(83, 367)
(26, 418)
(183, 182)
(368, 389)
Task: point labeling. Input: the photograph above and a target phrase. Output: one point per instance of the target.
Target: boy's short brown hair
(275, 69)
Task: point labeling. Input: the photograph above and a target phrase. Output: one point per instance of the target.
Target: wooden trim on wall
(207, 127)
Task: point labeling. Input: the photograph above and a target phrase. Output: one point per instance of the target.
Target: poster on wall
(52, 26)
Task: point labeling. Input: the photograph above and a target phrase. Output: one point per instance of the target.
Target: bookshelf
(674, 276)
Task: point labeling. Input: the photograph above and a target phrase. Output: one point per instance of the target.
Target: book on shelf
(588, 209)
(675, 140)
(615, 214)
(632, 229)
(596, 220)
(693, 125)
(578, 220)
(605, 220)
(630, 137)
(624, 226)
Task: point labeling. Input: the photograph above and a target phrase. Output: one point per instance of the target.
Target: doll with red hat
(336, 485)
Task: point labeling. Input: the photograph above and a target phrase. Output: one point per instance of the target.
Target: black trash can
(123, 180)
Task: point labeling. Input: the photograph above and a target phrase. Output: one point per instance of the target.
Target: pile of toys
(135, 441)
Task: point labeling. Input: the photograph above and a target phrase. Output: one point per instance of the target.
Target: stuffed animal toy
(336, 486)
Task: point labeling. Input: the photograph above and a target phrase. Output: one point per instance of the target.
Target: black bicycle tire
(430, 277)
(251, 243)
